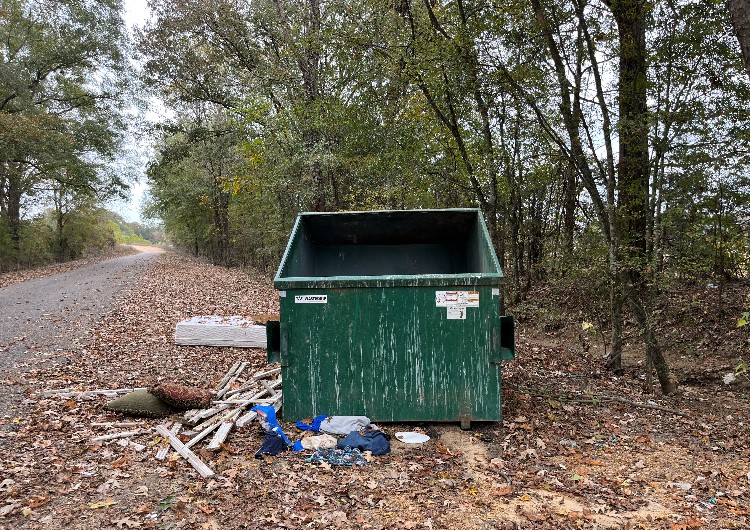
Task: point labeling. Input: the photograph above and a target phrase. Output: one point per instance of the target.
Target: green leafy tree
(60, 87)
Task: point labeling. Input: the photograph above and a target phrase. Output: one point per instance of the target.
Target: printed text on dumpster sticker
(311, 299)
(457, 298)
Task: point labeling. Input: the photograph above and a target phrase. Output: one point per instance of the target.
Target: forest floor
(577, 449)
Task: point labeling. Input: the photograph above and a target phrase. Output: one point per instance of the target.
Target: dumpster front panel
(391, 353)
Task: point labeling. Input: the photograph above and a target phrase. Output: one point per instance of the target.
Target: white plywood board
(234, 331)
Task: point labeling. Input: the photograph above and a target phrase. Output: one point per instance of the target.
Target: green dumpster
(394, 315)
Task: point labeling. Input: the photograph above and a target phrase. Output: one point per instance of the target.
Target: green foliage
(310, 104)
(63, 82)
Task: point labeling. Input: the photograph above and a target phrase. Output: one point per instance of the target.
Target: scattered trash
(234, 331)
(368, 439)
(273, 444)
(338, 457)
(313, 443)
(412, 437)
(182, 397)
(267, 416)
(314, 424)
(344, 424)
(140, 403)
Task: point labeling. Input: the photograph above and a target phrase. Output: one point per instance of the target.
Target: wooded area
(606, 142)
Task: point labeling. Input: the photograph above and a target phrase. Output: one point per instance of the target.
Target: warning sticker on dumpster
(457, 298)
(456, 313)
(311, 299)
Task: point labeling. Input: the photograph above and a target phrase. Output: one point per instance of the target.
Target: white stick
(211, 427)
(264, 375)
(186, 453)
(228, 385)
(162, 453)
(220, 436)
(123, 424)
(115, 436)
(67, 393)
(227, 377)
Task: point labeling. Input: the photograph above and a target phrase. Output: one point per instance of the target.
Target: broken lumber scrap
(118, 435)
(268, 386)
(245, 419)
(190, 414)
(185, 452)
(218, 418)
(209, 427)
(228, 385)
(206, 414)
(223, 431)
(213, 411)
(234, 331)
(250, 416)
(202, 434)
(265, 375)
(228, 376)
(245, 399)
(262, 401)
(74, 394)
(248, 386)
(162, 453)
(130, 443)
(254, 382)
(122, 424)
(220, 435)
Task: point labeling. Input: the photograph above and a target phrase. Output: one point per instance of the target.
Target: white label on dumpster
(457, 298)
(311, 299)
(456, 313)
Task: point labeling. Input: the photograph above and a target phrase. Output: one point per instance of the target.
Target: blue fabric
(273, 424)
(272, 445)
(370, 440)
(297, 446)
(314, 425)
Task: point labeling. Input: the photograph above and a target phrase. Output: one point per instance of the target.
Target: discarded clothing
(373, 440)
(272, 445)
(324, 441)
(314, 425)
(269, 413)
(344, 424)
(338, 457)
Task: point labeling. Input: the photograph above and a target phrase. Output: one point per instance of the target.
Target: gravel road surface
(45, 315)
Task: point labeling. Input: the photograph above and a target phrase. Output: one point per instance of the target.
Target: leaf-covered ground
(566, 456)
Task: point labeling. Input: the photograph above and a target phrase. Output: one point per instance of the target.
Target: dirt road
(42, 316)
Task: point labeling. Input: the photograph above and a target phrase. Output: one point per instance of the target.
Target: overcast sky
(135, 14)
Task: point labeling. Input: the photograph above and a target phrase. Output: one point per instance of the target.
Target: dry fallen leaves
(441, 479)
(106, 503)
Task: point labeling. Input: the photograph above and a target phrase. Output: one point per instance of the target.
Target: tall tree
(740, 10)
(61, 87)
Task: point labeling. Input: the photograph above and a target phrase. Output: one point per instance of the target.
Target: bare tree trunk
(740, 11)
(633, 174)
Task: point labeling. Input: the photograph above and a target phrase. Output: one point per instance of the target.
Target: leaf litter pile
(577, 449)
